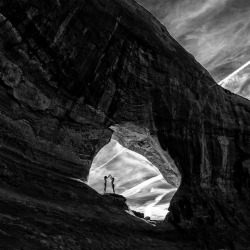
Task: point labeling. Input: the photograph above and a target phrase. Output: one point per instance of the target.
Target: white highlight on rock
(224, 147)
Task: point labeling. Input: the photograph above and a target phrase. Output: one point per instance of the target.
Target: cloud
(183, 13)
(239, 81)
(106, 153)
(216, 32)
(97, 167)
(149, 208)
(135, 178)
(138, 188)
(234, 74)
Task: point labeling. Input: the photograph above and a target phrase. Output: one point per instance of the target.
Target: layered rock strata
(71, 73)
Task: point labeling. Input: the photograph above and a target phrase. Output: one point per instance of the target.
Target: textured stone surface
(139, 140)
(73, 71)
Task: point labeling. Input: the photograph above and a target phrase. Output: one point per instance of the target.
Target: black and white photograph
(124, 124)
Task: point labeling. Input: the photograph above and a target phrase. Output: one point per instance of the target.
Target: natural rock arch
(135, 175)
(139, 140)
(67, 77)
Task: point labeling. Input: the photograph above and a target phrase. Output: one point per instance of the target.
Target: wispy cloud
(135, 178)
(239, 81)
(161, 209)
(216, 32)
(183, 13)
(224, 81)
(108, 161)
(138, 188)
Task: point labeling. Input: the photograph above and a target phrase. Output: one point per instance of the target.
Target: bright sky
(135, 178)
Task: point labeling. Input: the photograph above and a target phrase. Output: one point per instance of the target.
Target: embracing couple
(112, 183)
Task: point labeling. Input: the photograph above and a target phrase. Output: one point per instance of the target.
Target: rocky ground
(29, 223)
(88, 220)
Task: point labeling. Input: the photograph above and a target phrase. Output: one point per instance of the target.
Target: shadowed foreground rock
(75, 73)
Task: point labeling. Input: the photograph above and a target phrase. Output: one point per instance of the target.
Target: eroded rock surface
(73, 70)
(140, 140)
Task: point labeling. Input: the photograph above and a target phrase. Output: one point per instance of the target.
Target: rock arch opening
(136, 178)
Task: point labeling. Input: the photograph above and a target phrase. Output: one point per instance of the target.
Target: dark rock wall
(72, 69)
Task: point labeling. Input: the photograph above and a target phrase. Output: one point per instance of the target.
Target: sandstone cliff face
(74, 72)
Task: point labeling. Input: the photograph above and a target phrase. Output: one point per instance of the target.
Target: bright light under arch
(136, 178)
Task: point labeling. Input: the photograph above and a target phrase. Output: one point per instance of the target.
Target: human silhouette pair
(112, 183)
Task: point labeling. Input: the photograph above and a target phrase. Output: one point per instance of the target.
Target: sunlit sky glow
(135, 178)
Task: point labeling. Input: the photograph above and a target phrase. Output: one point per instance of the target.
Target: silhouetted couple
(112, 183)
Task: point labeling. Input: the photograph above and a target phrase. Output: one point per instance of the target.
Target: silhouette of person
(112, 183)
(105, 183)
